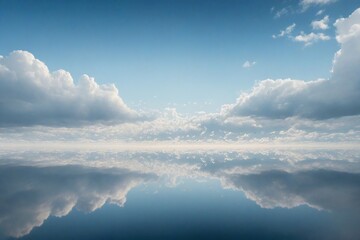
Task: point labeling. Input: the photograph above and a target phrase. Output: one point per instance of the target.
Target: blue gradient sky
(161, 52)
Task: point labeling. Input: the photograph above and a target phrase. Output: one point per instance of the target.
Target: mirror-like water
(254, 194)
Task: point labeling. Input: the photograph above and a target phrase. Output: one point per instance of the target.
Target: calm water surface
(257, 194)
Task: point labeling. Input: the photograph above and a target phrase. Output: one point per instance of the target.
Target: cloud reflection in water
(46, 185)
(322, 189)
(29, 195)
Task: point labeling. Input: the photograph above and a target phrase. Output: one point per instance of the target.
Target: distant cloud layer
(30, 94)
(320, 99)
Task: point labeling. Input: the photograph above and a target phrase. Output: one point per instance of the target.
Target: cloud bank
(30, 94)
(319, 99)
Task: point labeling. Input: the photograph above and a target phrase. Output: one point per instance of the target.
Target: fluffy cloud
(321, 99)
(55, 191)
(321, 24)
(256, 117)
(30, 94)
(310, 38)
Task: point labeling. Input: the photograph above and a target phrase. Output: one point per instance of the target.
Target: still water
(243, 194)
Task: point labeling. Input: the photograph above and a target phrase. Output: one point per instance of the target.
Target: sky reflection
(38, 185)
(29, 195)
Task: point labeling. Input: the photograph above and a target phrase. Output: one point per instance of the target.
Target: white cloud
(286, 32)
(203, 128)
(310, 38)
(348, 28)
(322, 24)
(317, 1)
(248, 64)
(307, 3)
(321, 99)
(31, 94)
(275, 110)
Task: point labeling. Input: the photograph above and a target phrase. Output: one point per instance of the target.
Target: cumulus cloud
(286, 32)
(319, 99)
(30, 94)
(248, 64)
(55, 191)
(322, 24)
(310, 38)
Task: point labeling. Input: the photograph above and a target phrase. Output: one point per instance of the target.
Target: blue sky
(244, 93)
(181, 69)
(161, 52)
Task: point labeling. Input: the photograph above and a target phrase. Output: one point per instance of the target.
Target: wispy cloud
(248, 64)
(320, 12)
(308, 3)
(286, 32)
(281, 12)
